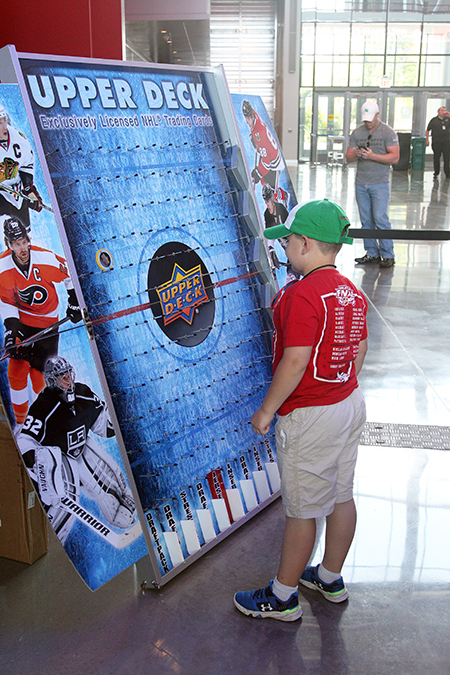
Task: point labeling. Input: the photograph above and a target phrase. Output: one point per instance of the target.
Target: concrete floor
(397, 620)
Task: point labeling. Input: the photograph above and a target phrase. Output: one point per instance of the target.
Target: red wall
(90, 28)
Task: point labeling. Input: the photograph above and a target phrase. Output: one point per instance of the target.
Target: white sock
(283, 592)
(326, 576)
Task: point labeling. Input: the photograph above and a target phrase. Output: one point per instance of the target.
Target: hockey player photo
(18, 194)
(276, 214)
(29, 304)
(276, 194)
(64, 461)
(269, 159)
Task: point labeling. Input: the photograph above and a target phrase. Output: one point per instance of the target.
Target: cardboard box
(23, 523)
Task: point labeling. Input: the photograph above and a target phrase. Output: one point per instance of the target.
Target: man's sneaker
(263, 604)
(387, 262)
(335, 592)
(368, 259)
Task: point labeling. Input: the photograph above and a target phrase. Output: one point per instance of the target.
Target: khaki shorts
(317, 449)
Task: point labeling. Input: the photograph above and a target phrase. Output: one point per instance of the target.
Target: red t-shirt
(326, 311)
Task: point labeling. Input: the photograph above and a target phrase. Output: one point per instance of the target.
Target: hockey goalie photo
(64, 460)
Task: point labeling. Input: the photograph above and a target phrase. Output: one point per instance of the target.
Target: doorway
(330, 113)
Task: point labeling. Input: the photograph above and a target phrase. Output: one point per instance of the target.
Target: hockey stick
(37, 337)
(113, 538)
(147, 305)
(19, 194)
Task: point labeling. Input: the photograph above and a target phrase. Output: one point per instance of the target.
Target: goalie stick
(19, 194)
(37, 337)
(115, 539)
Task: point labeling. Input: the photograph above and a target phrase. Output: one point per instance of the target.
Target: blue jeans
(372, 203)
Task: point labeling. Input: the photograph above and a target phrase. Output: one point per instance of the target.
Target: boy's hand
(261, 422)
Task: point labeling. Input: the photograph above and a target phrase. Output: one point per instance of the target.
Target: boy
(319, 345)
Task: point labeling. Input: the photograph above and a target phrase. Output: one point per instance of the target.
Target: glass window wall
(360, 54)
(333, 38)
(403, 71)
(331, 72)
(366, 71)
(403, 38)
(368, 38)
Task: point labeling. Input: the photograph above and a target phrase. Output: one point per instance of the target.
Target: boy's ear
(306, 243)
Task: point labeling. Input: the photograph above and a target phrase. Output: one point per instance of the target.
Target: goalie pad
(103, 481)
(56, 477)
(50, 474)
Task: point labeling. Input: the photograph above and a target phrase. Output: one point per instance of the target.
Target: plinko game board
(158, 224)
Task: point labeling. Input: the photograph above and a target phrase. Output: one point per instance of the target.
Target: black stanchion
(407, 235)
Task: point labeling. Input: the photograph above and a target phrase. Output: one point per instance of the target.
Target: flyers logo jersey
(33, 292)
(33, 295)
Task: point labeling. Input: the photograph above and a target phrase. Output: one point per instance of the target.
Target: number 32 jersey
(53, 421)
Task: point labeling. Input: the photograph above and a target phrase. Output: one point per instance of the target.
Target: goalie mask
(60, 374)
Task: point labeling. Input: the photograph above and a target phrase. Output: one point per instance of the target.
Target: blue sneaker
(335, 592)
(263, 604)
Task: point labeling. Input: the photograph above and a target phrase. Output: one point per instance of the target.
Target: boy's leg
(340, 529)
(298, 543)
(341, 523)
(326, 577)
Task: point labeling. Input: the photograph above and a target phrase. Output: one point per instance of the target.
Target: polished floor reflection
(397, 619)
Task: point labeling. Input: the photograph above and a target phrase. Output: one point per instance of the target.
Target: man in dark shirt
(440, 140)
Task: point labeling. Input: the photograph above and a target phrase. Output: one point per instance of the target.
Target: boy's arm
(362, 351)
(287, 376)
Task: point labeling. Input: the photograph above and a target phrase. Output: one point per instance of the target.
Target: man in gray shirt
(374, 145)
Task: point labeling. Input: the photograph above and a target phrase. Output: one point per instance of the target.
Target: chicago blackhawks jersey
(16, 156)
(271, 158)
(53, 421)
(30, 295)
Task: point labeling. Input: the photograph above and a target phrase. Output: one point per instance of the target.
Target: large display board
(160, 227)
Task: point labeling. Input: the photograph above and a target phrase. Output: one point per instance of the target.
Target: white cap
(368, 111)
(3, 112)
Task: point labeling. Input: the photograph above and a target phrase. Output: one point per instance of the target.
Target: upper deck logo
(182, 294)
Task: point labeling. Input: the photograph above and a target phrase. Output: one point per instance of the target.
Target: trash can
(418, 153)
(404, 141)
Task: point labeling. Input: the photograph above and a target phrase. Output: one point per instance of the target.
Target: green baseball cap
(321, 219)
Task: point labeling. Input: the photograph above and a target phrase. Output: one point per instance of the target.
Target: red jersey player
(270, 163)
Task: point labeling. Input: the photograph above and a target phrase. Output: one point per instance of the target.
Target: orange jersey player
(29, 303)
